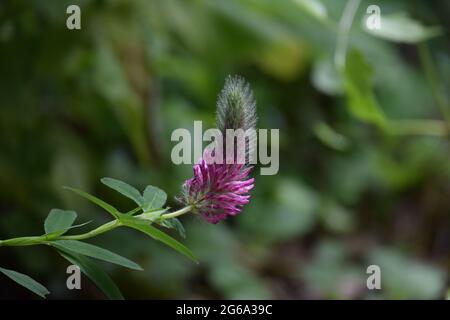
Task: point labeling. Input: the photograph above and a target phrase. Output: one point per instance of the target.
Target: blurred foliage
(364, 150)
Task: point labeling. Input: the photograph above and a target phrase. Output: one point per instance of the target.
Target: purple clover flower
(219, 190)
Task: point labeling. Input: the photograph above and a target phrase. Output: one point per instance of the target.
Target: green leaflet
(125, 189)
(93, 251)
(26, 281)
(174, 223)
(159, 235)
(101, 279)
(59, 221)
(109, 208)
(154, 198)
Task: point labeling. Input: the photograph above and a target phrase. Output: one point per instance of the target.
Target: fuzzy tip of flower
(236, 107)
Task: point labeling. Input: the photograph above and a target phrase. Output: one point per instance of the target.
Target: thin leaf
(80, 225)
(26, 281)
(154, 198)
(109, 208)
(90, 250)
(101, 279)
(160, 236)
(174, 223)
(125, 189)
(59, 221)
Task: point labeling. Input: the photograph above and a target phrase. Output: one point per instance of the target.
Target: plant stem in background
(344, 28)
(436, 89)
(435, 128)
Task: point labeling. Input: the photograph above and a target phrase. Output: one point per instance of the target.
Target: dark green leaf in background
(400, 27)
(358, 88)
(330, 137)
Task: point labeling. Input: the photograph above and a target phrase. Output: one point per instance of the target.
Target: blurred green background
(364, 151)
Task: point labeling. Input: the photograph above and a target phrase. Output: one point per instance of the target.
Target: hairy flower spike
(236, 109)
(220, 190)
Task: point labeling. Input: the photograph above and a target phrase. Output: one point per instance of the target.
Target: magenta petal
(218, 190)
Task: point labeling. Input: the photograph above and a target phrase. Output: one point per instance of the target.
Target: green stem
(23, 241)
(429, 69)
(131, 212)
(45, 239)
(176, 213)
(102, 229)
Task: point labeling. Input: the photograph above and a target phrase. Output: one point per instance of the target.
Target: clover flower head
(219, 190)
